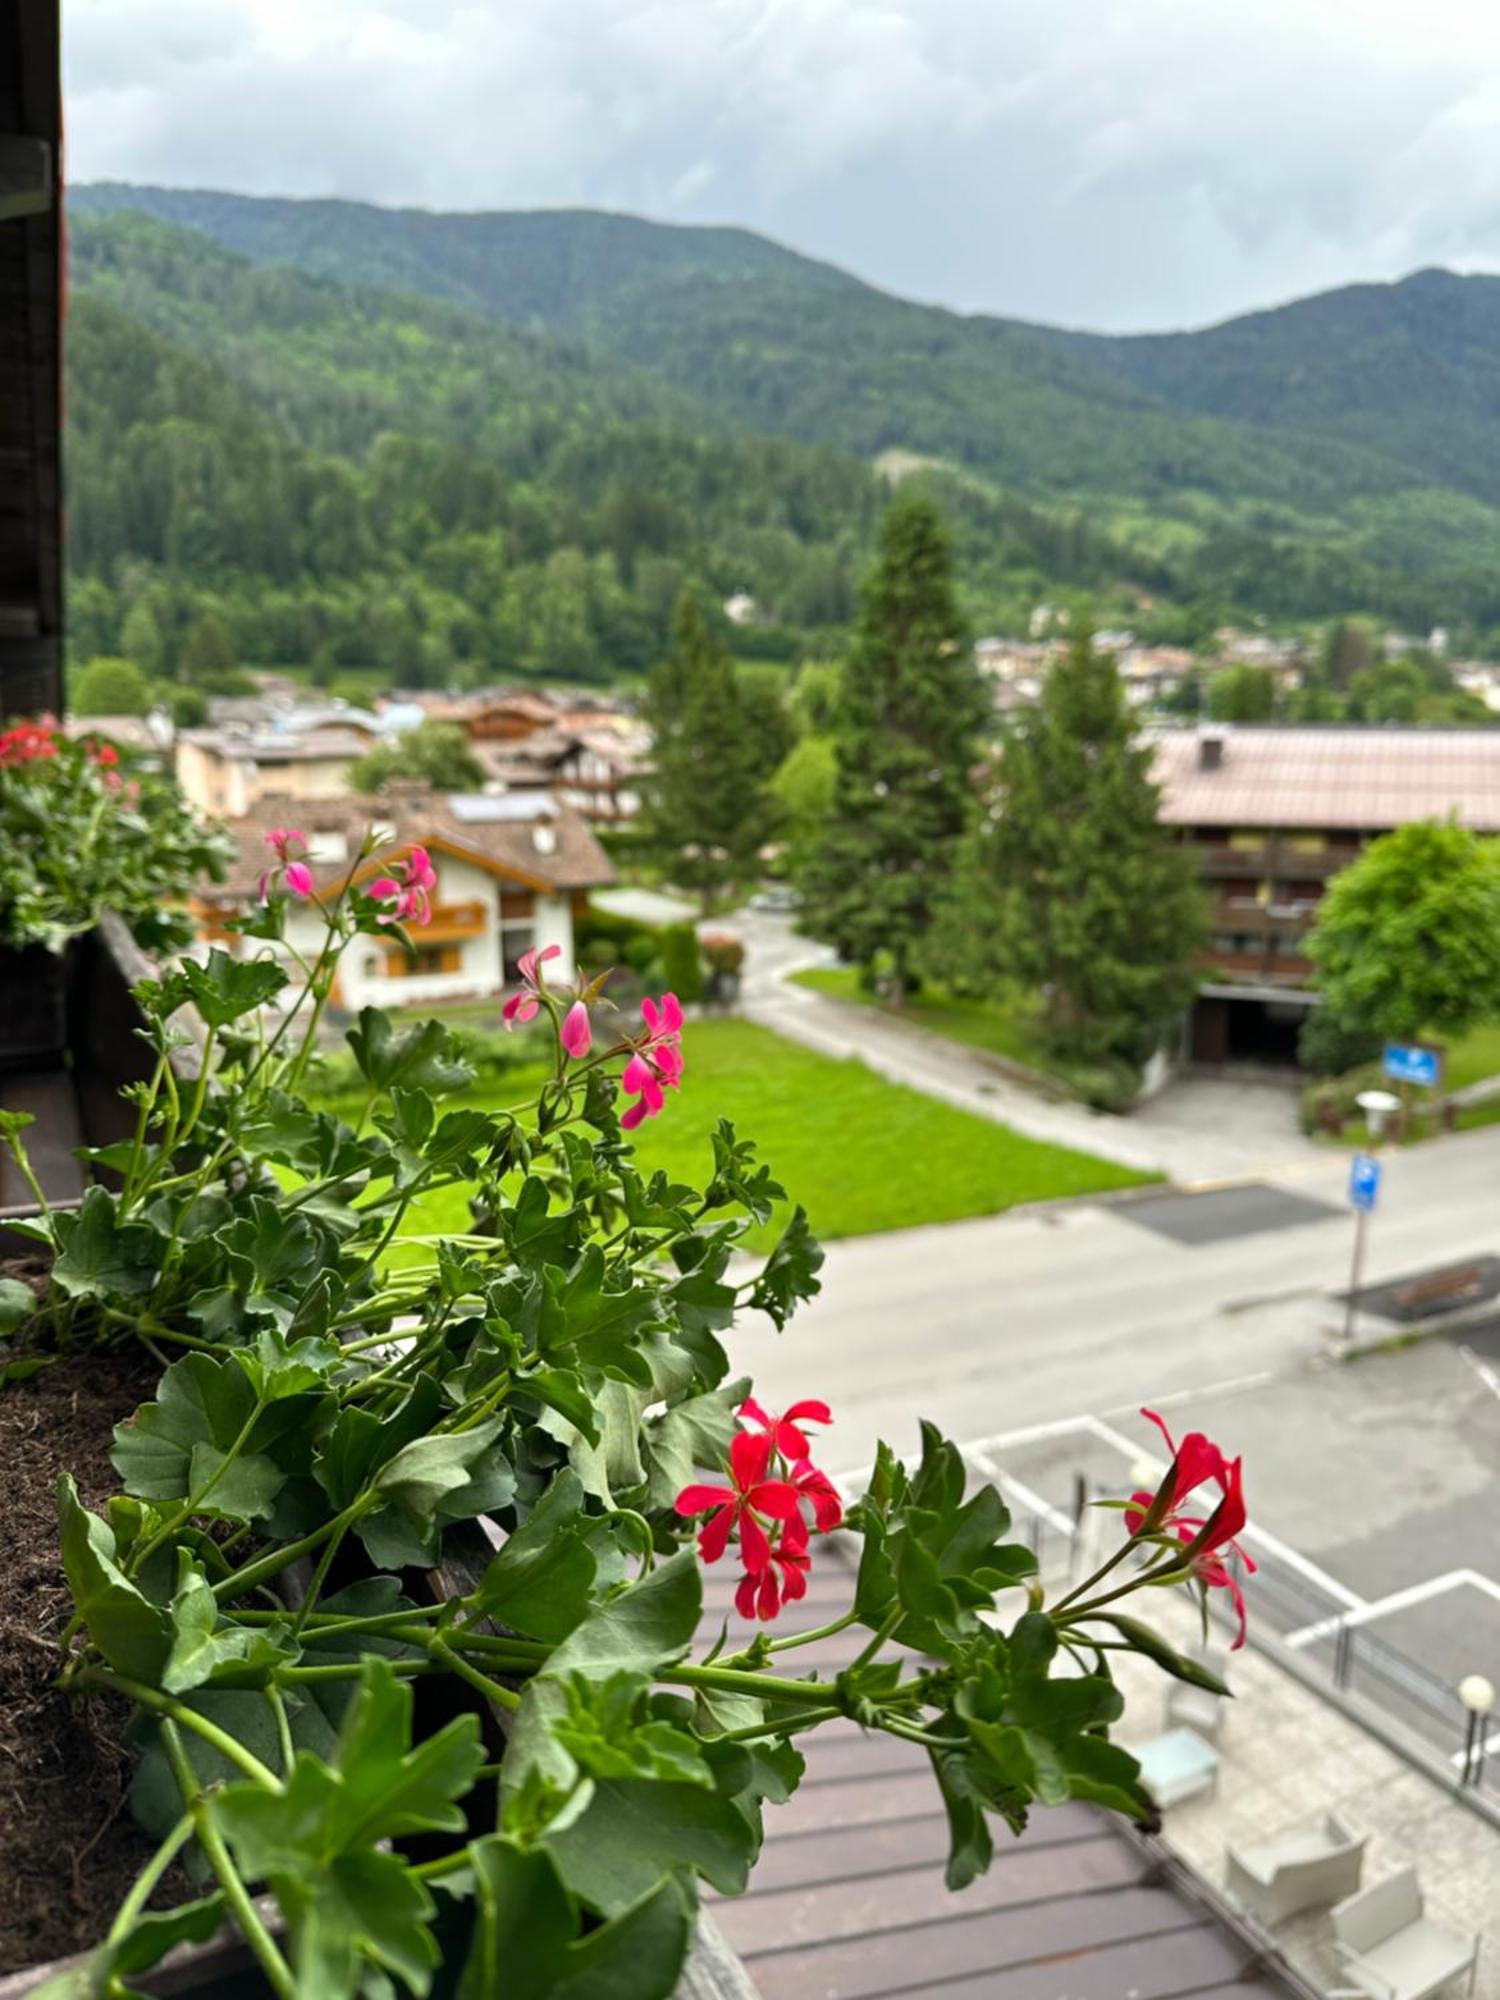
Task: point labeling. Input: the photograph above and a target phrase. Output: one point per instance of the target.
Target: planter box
(223, 1968)
(34, 987)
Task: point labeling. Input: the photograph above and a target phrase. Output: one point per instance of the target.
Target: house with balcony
(1272, 814)
(512, 873)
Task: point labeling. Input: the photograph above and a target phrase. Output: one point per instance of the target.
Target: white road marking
(1398, 1600)
(1482, 1369)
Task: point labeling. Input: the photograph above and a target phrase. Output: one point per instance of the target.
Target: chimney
(1210, 749)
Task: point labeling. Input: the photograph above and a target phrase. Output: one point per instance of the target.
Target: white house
(512, 872)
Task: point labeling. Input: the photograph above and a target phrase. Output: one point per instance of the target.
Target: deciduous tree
(437, 751)
(1408, 936)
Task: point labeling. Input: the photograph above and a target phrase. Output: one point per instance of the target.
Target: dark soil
(69, 1849)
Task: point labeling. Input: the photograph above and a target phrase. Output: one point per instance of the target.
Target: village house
(1273, 813)
(227, 771)
(512, 873)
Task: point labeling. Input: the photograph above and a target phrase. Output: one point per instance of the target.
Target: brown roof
(1367, 779)
(498, 834)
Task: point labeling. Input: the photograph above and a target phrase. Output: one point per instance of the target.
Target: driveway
(1196, 1130)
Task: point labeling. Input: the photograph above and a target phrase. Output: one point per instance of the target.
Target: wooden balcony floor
(848, 1900)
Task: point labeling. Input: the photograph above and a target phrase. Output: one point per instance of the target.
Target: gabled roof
(568, 857)
(1368, 780)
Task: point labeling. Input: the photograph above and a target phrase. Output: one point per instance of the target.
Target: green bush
(1110, 1084)
(1336, 1095)
(681, 962)
(1330, 1043)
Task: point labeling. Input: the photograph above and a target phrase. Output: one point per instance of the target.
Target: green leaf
(633, 1831)
(422, 1057)
(346, 1902)
(647, 1626)
(26, 1366)
(99, 1256)
(562, 1391)
(527, 1945)
(610, 1732)
(207, 1646)
(790, 1274)
(541, 1581)
(225, 989)
(153, 1934)
(172, 1447)
(1144, 1640)
(17, 1302)
(1108, 1776)
(422, 1474)
(134, 1635)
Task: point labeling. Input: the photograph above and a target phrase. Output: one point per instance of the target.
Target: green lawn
(1476, 1056)
(859, 1153)
(1003, 1026)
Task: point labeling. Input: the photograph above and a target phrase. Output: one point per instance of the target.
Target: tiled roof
(576, 860)
(277, 746)
(1367, 779)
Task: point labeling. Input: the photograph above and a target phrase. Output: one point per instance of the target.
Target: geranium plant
(328, 1415)
(83, 831)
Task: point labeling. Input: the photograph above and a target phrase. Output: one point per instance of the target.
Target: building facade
(1273, 814)
(507, 881)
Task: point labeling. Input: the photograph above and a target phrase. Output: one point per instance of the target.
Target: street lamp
(1478, 1697)
(1377, 1105)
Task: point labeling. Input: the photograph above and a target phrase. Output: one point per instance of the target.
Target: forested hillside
(347, 479)
(1334, 455)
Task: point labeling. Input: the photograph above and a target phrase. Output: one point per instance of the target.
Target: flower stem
(238, 1897)
(228, 1747)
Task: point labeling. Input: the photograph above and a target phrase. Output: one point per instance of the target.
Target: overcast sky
(1103, 163)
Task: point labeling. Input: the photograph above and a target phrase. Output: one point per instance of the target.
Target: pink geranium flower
(282, 840)
(409, 897)
(523, 1006)
(577, 1035)
(656, 1062)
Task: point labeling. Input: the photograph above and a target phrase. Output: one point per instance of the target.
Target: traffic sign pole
(1356, 1273)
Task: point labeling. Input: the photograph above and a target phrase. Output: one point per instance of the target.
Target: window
(518, 938)
(435, 958)
(1247, 841)
(328, 845)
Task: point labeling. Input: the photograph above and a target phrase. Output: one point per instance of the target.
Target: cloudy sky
(1104, 163)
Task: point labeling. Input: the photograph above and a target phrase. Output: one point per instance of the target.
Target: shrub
(1331, 1043)
(682, 962)
(725, 954)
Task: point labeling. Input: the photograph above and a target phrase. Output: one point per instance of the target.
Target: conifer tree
(1071, 886)
(907, 710)
(707, 810)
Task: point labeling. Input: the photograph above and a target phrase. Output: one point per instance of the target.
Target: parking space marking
(1398, 1600)
(1482, 1369)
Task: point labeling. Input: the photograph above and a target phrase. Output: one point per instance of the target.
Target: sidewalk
(1287, 1758)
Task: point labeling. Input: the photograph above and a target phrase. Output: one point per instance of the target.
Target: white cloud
(1104, 162)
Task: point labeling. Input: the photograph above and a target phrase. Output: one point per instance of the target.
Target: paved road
(1045, 1313)
(1194, 1131)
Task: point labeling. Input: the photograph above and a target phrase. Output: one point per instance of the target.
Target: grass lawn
(859, 1153)
(1002, 1026)
(1476, 1056)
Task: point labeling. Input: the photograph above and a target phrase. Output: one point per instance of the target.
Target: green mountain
(1335, 454)
(343, 478)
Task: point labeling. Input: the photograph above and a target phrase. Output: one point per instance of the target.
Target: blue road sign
(1409, 1062)
(1364, 1180)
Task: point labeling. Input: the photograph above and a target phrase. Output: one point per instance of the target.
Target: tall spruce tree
(707, 810)
(1072, 886)
(905, 718)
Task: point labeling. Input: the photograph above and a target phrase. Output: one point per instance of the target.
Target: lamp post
(1478, 1696)
(1364, 1180)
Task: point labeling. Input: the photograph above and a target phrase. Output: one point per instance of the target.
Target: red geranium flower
(816, 1486)
(762, 1593)
(790, 1441)
(1199, 1462)
(741, 1504)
